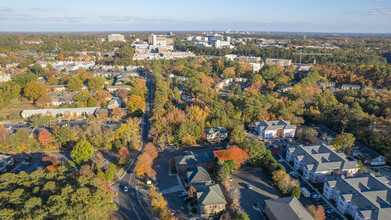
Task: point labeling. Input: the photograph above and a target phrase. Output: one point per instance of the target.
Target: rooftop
(210, 195)
(197, 175)
(288, 208)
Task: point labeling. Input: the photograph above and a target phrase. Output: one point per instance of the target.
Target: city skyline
(349, 16)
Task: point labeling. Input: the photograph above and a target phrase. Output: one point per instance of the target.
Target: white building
(275, 129)
(255, 67)
(363, 196)
(59, 112)
(319, 161)
(115, 88)
(159, 41)
(116, 37)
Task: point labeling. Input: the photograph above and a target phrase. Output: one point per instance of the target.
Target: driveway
(261, 190)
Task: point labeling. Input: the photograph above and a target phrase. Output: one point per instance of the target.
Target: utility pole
(312, 54)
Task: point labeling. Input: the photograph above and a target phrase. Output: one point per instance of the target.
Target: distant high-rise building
(227, 31)
(116, 37)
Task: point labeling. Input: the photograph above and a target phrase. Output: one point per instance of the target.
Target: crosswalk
(173, 189)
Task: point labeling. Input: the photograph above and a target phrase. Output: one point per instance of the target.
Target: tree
(45, 138)
(83, 98)
(82, 152)
(34, 90)
(3, 135)
(361, 168)
(110, 172)
(296, 192)
(151, 150)
(43, 100)
(242, 216)
(135, 102)
(117, 113)
(123, 94)
(139, 88)
(54, 195)
(316, 212)
(158, 202)
(75, 84)
(229, 72)
(64, 134)
(237, 135)
(343, 142)
(96, 83)
(192, 193)
(41, 121)
(102, 97)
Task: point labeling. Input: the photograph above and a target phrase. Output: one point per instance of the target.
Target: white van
(305, 192)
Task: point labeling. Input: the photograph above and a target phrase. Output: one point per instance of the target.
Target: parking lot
(168, 184)
(262, 189)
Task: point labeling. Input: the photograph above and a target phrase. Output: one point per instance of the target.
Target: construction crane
(314, 54)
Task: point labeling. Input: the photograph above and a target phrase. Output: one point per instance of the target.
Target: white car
(249, 186)
(316, 196)
(25, 163)
(125, 189)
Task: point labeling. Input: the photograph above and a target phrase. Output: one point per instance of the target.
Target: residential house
(216, 134)
(4, 77)
(62, 98)
(192, 160)
(59, 112)
(287, 208)
(114, 103)
(275, 129)
(57, 88)
(5, 161)
(320, 161)
(210, 200)
(198, 176)
(363, 196)
(350, 87)
(115, 88)
(368, 155)
(12, 65)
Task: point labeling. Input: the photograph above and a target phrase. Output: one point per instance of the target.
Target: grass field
(15, 108)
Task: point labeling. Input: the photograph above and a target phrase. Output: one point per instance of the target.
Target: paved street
(128, 202)
(261, 190)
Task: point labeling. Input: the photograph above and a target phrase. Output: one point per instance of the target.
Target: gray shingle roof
(288, 208)
(210, 195)
(371, 195)
(274, 125)
(320, 158)
(197, 175)
(192, 159)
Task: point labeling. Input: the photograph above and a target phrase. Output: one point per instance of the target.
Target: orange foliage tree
(45, 138)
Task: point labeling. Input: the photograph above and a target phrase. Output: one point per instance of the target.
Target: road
(128, 202)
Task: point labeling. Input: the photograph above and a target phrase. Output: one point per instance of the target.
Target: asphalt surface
(261, 190)
(128, 202)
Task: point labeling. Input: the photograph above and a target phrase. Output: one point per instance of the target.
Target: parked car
(183, 194)
(186, 199)
(125, 188)
(25, 163)
(249, 186)
(281, 160)
(315, 196)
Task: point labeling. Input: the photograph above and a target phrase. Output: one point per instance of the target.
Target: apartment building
(279, 62)
(320, 161)
(363, 196)
(116, 37)
(275, 129)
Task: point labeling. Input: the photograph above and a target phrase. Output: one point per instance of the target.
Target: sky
(342, 16)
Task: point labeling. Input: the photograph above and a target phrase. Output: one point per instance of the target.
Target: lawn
(15, 108)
